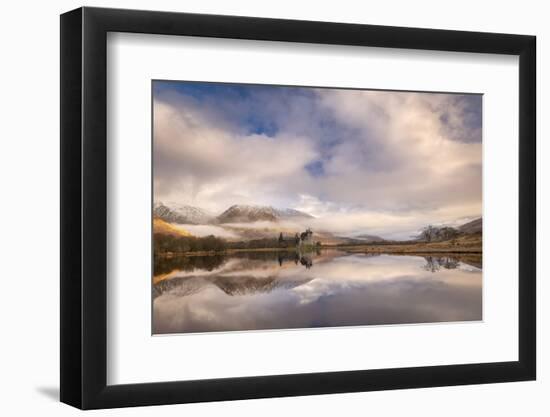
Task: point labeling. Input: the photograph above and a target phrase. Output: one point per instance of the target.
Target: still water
(283, 290)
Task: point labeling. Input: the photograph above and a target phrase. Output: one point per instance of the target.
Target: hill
(161, 226)
(475, 226)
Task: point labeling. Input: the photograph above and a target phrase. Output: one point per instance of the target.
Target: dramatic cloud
(369, 161)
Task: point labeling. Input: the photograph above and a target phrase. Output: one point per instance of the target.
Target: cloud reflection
(244, 294)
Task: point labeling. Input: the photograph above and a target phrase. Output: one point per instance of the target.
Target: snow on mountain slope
(247, 213)
(181, 213)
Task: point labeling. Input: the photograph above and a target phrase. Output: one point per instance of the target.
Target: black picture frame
(84, 207)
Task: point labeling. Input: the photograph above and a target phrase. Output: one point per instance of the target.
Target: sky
(360, 161)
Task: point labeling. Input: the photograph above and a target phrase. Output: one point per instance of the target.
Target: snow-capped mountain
(291, 213)
(181, 213)
(247, 213)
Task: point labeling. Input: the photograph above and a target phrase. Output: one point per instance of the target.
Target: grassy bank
(470, 244)
(229, 251)
(464, 244)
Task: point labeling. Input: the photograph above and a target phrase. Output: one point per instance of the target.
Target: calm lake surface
(282, 290)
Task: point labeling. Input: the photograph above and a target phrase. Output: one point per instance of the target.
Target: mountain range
(239, 213)
(229, 220)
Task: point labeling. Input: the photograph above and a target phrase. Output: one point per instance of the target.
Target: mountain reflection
(231, 285)
(267, 290)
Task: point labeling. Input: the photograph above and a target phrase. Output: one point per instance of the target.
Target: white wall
(29, 175)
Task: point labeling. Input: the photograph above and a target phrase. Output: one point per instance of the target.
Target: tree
(433, 234)
(281, 238)
(428, 233)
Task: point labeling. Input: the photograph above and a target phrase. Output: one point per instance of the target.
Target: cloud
(354, 158)
(400, 157)
(197, 161)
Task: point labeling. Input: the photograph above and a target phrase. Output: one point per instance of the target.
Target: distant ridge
(369, 238)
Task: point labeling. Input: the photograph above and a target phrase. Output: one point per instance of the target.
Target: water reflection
(277, 290)
(435, 263)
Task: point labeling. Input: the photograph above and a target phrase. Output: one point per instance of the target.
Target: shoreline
(424, 250)
(405, 249)
(224, 252)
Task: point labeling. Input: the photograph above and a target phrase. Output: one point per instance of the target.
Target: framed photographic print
(258, 207)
